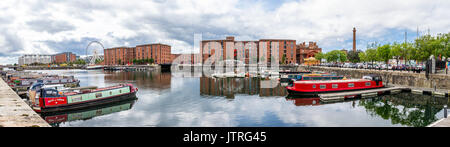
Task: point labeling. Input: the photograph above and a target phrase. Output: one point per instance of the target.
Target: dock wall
(441, 81)
(14, 112)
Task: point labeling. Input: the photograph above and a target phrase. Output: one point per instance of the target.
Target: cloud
(38, 26)
(50, 26)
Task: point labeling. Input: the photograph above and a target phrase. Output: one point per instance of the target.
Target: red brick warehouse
(160, 53)
(64, 57)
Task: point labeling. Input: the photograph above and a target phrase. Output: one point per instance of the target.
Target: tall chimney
(354, 39)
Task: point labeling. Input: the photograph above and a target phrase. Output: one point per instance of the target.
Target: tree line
(420, 50)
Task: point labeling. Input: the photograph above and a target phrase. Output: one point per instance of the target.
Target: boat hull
(293, 93)
(131, 95)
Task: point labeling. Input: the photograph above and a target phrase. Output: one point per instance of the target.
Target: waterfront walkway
(445, 122)
(14, 112)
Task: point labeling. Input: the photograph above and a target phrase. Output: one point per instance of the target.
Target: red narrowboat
(52, 100)
(313, 88)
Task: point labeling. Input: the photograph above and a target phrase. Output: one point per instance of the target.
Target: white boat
(93, 67)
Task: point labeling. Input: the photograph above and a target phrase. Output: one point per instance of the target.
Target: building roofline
(118, 47)
(152, 44)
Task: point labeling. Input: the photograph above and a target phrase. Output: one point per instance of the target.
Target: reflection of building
(230, 87)
(305, 51)
(153, 79)
(160, 53)
(35, 58)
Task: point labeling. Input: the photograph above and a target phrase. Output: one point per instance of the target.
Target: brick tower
(354, 39)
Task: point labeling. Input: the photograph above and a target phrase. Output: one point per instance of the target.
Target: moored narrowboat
(313, 88)
(52, 100)
(309, 77)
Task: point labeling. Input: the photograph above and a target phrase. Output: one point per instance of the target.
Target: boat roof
(51, 86)
(331, 81)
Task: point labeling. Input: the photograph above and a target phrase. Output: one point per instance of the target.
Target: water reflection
(406, 108)
(151, 79)
(168, 101)
(229, 87)
(57, 119)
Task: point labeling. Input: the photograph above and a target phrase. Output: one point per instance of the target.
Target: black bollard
(445, 111)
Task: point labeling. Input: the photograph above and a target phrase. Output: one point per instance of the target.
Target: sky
(54, 26)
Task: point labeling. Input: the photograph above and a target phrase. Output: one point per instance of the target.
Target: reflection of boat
(305, 101)
(88, 113)
(317, 87)
(52, 100)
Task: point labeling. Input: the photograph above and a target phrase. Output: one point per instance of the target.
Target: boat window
(334, 86)
(327, 78)
(367, 83)
(306, 78)
(351, 84)
(110, 92)
(51, 93)
(323, 86)
(76, 99)
(97, 95)
(314, 86)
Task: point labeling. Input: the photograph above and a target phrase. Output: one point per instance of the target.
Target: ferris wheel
(95, 55)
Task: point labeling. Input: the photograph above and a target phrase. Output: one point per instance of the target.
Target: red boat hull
(314, 88)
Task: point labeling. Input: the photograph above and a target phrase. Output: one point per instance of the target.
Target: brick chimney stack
(354, 39)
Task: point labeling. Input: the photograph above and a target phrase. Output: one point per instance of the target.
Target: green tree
(363, 57)
(353, 56)
(384, 53)
(336, 56)
(283, 59)
(151, 60)
(396, 51)
(319, 56)
(371, 55)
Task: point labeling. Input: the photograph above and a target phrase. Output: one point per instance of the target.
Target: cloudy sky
(52, 26)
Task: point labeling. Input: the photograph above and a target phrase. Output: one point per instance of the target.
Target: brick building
(119, 55)
(306, 51)
(64, 57)
(160, 53)
(257, 51)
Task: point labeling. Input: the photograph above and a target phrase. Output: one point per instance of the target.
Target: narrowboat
(308, 77)
(313, 88)
(53, 100)
(295, 72)
(22, 84)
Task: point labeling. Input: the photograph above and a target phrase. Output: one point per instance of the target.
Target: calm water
(166, 100)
